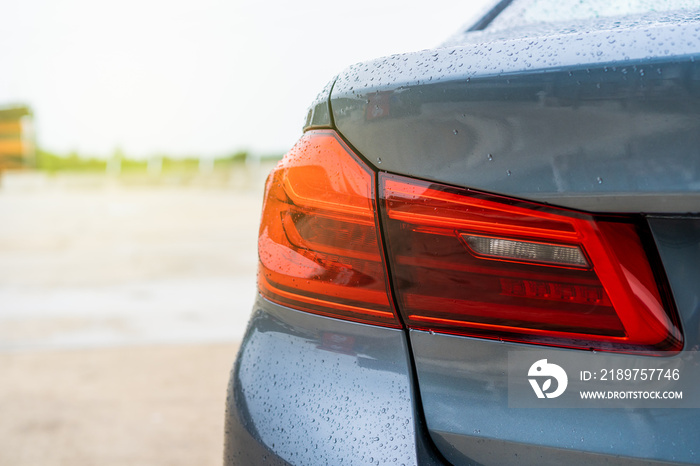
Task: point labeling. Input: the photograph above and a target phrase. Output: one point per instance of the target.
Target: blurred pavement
(121, 309)
(89, 267)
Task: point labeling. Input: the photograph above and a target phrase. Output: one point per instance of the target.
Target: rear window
(527, 12)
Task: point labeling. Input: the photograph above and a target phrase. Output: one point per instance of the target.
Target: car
(487, 252)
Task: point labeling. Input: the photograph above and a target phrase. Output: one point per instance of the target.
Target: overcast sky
(206, 77)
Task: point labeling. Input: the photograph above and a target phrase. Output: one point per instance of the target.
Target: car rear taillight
(469, 263)
(462, 262)
(319, 246)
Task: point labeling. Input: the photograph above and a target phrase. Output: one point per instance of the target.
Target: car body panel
(586, 120)
(319, 113)
(678, 243)
(464, 388)
(600, 116)
(308, 389)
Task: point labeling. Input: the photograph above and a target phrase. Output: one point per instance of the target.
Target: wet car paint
(308, 389)
(549, 120)
(605, 121)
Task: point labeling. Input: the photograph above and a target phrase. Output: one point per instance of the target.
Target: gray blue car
(487, 252)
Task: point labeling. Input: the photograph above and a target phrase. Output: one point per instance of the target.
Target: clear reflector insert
(526, 251)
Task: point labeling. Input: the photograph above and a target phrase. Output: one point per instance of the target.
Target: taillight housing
(471, 263)
(459, 261)
(318, 246)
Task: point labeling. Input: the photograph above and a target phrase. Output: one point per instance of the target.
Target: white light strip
(502, 248)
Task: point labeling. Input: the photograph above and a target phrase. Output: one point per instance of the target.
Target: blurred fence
(248, 176)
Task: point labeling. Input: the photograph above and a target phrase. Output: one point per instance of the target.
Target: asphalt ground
(151, 405)
(121, 309)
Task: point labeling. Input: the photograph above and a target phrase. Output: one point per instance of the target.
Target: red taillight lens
(476, 264)
(462, 262)
(319, 245)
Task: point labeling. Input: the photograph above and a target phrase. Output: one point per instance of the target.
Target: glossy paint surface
(678, 241)
(606, 120)
(464, 389)
(308, 389)
(319, 113)
(600, 116)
